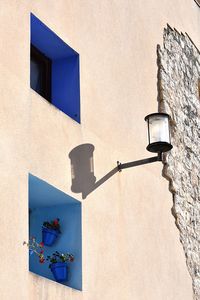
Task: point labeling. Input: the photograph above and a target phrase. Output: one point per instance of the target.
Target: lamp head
(158, 132)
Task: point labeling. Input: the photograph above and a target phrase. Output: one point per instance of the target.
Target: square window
(47, 203)
(55, 69)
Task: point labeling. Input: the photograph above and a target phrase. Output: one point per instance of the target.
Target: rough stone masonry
(179, 96)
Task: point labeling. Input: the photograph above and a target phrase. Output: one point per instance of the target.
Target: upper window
(54, 69)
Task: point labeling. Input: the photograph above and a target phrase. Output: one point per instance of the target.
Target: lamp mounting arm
(140, 162)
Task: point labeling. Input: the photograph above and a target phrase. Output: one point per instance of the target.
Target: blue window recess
(48, 203)
(65, 81)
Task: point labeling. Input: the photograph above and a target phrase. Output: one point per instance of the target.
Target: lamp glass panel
(159, 129)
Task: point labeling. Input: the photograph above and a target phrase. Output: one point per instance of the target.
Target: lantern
(158, 132)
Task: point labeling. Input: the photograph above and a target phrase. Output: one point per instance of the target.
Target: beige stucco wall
(131, 247)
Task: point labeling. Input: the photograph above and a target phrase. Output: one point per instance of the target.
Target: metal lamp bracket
(140, 162)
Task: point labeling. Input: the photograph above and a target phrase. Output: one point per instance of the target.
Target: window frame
(65, 70)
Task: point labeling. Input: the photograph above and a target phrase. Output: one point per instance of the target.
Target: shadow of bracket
(100, 182)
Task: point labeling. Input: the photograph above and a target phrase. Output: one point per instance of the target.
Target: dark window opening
(40, 75)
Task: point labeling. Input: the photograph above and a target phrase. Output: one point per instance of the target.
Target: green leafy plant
(36, 248)
(59, 257)
(52, 225)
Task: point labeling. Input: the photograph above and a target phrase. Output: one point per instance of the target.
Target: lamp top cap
(156, 114)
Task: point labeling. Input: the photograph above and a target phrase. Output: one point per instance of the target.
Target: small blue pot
(59, 271)
(49, 236)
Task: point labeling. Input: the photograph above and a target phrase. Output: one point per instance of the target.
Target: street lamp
(158, 132)
(158, 138)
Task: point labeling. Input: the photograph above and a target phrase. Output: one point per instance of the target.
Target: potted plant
(58, 265)
(50, 232)
(36, 248)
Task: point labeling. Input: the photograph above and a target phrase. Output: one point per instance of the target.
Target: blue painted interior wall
(65, 68)
(70, 240)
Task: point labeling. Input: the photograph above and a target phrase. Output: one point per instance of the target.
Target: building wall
(131, 247)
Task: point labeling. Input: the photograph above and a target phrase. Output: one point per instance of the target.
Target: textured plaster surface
(179, 74)
(131, 248)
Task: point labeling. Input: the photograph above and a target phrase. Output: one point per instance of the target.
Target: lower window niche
(58, 214)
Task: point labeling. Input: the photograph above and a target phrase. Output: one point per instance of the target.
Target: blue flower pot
(49, 236)
(59, 271)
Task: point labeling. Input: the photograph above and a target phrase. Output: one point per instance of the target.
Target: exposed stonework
(178, 88)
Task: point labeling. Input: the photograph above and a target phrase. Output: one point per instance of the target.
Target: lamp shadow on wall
(82, 170)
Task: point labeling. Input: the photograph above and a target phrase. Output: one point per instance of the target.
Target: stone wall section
(178, 94)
